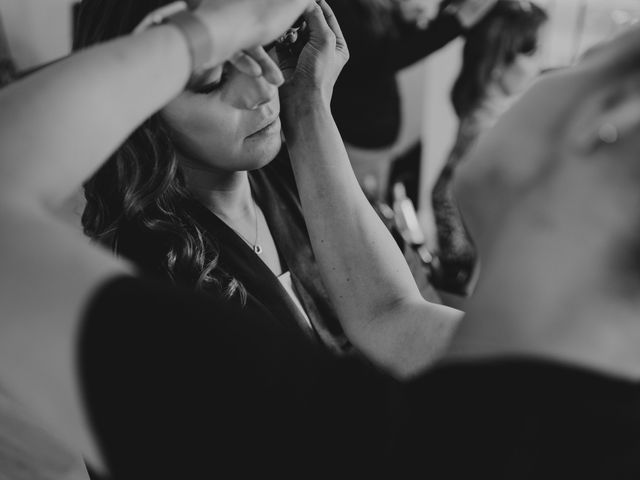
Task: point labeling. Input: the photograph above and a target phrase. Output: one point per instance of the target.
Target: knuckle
(331, 38)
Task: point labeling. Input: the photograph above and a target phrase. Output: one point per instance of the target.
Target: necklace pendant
(257, 249)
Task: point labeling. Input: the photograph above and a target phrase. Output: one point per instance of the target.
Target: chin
(264, 152)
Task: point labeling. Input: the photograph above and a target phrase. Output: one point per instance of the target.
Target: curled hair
(136, 200)
(511, 28)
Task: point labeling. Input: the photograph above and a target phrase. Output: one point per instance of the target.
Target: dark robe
(274, 189)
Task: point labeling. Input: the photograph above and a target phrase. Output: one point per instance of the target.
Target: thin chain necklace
(255, 246)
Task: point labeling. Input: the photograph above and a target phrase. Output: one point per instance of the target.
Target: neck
(227, 194)
(596, 332)
(494, 103)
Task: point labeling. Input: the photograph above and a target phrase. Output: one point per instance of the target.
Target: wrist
(305, 102)
(222, 40)
(196, 31)
(304, 115)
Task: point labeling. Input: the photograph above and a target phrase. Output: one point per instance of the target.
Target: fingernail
(276, 78)
(258, 72)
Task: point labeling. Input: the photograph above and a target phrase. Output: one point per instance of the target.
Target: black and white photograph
(254, 239)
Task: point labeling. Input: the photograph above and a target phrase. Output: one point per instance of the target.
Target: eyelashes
(216, 85)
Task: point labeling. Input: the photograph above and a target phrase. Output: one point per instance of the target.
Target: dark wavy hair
(135, 201)
(510, 28)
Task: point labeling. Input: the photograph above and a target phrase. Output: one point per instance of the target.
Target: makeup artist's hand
(320, 62)
(240, 27)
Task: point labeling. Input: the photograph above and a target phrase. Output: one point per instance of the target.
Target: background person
(499, 61)
(383, 40)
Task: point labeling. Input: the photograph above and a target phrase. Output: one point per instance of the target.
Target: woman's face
(230, 124)
(517, 76)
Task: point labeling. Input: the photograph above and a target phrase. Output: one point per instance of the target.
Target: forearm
(366, 274)
(48, 147)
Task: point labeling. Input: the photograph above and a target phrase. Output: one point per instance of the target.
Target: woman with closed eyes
(202, 193)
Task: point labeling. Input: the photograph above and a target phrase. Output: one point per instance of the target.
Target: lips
(265, 126)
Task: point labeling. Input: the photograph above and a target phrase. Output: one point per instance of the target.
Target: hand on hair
(257, 62)
(321, 60)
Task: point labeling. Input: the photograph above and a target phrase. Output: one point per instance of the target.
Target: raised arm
(394, 50)
(367, 276)
(55, 128)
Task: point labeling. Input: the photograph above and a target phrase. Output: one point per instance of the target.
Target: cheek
(205, 131)
(214, 133)
(525, 70)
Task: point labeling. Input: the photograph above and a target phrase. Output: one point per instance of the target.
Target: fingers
(243, 24)
(243, 62)
(319, 30)
(270, 70)
(333, 24)
(256, 62)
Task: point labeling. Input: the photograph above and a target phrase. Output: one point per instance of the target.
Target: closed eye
(212, 87)
(215, 85)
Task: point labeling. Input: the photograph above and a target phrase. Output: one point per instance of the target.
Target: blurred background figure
(384, 37)
(500, 59)
(419, 12)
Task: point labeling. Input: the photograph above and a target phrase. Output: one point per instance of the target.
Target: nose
(247, 92)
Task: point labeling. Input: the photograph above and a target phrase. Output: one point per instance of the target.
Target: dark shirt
(185, 386)
(180, 386)
(522, 419)
(275, 191)
(366, 99)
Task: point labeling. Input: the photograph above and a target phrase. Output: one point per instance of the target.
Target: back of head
(510, 29)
